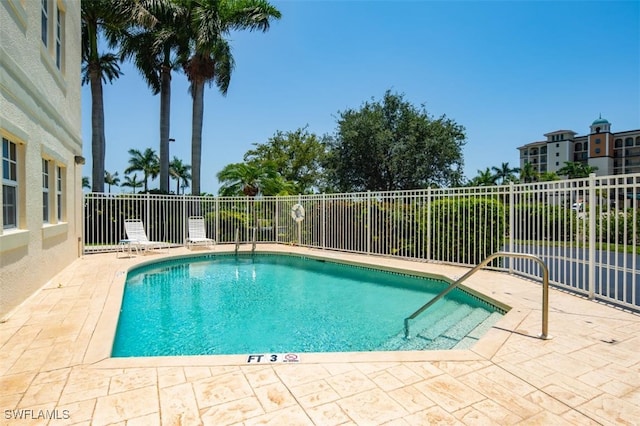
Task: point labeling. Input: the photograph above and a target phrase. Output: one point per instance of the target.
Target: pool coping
(98, 353)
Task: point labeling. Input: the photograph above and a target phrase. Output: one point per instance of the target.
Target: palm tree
(106, 17)
(505, 173)
(146, 162)
(111, 179)
(484, 178)
(575, 170)
(210, 60)
(247, 179)
(548, 176)
(180, 173)
(132, 182)
(528, 173)
(151, 44)
(85, 182)
(570, 169)
(278, 186)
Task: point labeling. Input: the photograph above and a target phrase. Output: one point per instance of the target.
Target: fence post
(299, 225)
(368, 233)
(148, 213)
(185, 232)
(276, 223)
(428, 225)
(592, 235)
(217, 217)
(511, 223)
(246, 210)
(324, 221)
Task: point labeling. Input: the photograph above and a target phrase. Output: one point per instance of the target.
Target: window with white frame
(59, 193)
(45, 190)
(45, 22)
(9, 184)
(59, 37)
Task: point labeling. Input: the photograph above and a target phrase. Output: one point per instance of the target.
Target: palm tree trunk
(165, 116)
(196, 134)
(97, 131)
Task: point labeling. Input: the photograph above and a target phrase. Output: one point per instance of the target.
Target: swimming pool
(267, 303)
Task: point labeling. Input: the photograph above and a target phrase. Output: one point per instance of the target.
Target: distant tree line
(505, 174)
(148, 163)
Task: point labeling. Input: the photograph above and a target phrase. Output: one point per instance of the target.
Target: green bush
(618, 227)
(230, 220)
(544, 222)
(392, 226)
(465, 230)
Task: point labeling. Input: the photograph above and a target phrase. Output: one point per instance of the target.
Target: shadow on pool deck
(54, 356)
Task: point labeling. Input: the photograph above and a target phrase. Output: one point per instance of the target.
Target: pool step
(456, 336)
(482, 328)
(466, 325)
(471, 338)
(437, 332)
(464, 321)
(436, 322)
(440, 327)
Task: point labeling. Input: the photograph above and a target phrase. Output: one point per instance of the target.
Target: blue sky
(508, 71)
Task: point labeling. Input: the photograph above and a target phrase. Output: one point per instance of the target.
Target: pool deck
(54, 362)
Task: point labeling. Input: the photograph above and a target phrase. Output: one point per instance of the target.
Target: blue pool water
(223, 304)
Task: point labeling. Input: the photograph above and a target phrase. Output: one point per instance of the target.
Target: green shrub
(618, 227)
(465, 230)
(544, 222)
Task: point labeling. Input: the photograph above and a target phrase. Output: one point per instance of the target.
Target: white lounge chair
(198, 234)
(138, 237)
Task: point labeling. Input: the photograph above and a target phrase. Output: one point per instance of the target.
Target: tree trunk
(97, 130)
(165, 117)
(196, 135)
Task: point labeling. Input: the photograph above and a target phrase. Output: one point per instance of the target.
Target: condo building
(612, 153)
(40, 129)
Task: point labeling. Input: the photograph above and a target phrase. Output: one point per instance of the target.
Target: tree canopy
(393, 145)
(296, 155)
(111, 179)
(506, 174)
(180, 172)
(575, 170)
(147, 162)
(252, 179)
(132, 182)
(484, 178)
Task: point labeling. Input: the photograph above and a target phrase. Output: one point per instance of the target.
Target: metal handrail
(545, 290)
(237, 240)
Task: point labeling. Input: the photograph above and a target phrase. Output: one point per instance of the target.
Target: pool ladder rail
(545, 290)
(253, 246)
(237, 240)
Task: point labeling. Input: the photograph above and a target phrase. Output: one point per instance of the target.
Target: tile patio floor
(54, 361)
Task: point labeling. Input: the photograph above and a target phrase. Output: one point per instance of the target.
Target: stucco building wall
(40, 116)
